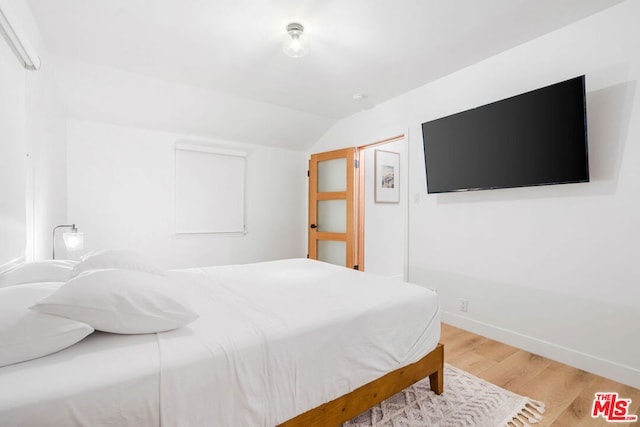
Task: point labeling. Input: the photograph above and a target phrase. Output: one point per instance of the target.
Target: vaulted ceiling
(216, 68)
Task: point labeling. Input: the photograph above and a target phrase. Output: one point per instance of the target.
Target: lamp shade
(73, 240)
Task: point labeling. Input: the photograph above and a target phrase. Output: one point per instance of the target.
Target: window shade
(209, 190)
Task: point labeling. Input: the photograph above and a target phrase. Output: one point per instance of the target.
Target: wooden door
(332, 216)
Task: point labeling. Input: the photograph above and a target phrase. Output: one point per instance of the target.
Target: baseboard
(615, 371)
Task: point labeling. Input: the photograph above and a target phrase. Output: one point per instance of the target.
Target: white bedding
(273, 340)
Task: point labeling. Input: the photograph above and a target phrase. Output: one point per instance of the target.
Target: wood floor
(567, 392)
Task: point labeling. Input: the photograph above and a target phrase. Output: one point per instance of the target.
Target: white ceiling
(231, 49)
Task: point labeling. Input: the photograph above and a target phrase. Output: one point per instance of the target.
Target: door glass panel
(332, 251)
(332, 175)
(332, 216)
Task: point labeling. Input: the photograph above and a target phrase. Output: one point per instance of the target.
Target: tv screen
(536, 138)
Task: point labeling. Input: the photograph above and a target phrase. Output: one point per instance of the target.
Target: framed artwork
(387, 177)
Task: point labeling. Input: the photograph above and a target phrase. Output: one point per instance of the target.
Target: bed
(292, 343)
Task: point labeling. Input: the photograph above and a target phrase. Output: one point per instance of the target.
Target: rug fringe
(530, 413)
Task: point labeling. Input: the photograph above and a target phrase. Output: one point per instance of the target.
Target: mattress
(273, 340)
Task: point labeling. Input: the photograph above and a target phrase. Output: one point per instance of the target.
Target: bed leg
(436, 381)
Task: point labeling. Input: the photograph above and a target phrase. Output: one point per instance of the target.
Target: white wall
(551, 269)
(32, 145)
(120, 193)
(384, 223)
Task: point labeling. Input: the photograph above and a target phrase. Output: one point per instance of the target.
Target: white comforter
(273, 340)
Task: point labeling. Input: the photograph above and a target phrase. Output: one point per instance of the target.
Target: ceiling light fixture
(296, 44)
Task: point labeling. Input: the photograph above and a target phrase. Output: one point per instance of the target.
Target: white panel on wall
(209, 192)
(32, 147)
(13, 151)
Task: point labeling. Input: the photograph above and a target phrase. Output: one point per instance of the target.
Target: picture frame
(387, 176)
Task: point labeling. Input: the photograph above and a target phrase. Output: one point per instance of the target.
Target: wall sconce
(73, 240)
(295, 44)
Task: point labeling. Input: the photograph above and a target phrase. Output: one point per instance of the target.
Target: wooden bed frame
(336, 412)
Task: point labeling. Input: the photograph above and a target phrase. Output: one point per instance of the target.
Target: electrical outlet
(464, 305)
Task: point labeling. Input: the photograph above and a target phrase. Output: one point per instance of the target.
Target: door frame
(360, 192)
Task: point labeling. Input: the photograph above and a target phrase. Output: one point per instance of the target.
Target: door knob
(313, 226)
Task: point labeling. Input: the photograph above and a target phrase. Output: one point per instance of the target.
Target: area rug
(467, 401)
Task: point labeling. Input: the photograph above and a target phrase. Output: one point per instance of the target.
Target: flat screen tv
(536, 138)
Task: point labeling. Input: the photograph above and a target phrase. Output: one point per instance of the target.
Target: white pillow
(111, 258)
(26, 334)
(39, 271)
(121, 301)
